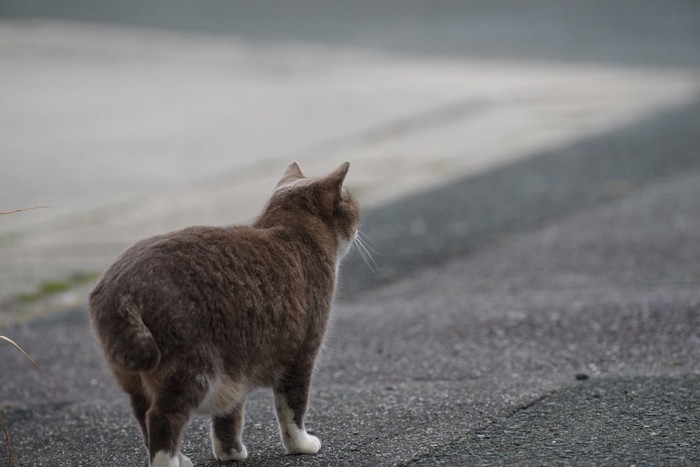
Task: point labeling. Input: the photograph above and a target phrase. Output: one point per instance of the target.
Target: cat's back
(198, 258)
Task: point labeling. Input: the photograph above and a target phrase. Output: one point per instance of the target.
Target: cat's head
(323, 198)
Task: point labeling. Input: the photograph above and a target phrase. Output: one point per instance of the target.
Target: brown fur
(240, 306)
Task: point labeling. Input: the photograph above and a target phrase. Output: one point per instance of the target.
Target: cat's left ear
(333, 185)
(292, 174)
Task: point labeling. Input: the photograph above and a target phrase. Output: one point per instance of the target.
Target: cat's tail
(127, 342)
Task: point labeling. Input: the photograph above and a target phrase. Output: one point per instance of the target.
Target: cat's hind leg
(140, 402)
(165, 427)
(291, 398)
(166, 419)
(226, 431)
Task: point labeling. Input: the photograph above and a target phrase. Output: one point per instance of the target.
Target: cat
(193, 320)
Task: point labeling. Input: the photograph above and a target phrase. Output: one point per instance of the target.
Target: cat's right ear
(292, 174)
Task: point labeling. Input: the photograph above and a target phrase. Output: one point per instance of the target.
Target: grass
(53, 287)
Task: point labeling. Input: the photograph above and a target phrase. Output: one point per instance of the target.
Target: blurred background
(132, 118)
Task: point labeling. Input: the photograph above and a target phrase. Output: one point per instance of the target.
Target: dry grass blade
(7, 339)
(6, 431)
(2, 213)
(10, 455)
(31, 360)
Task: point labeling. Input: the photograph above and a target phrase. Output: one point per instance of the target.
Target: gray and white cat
(193, 320)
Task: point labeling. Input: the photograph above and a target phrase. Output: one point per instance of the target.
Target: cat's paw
(163, 459)
(184, 460)
(232, 454)
(302, 443)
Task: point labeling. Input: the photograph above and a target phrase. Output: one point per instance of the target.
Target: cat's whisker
(368, 262)
(365, 253)
(368, 243)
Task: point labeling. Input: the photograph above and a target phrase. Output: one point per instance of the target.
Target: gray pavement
(572, 427)
(543, 311)
(471, 361)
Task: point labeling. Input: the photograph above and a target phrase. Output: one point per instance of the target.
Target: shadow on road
(428, 229)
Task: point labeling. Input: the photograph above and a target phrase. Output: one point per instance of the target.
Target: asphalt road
(471, 357)
(546, 312)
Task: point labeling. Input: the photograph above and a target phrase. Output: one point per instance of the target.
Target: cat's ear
(333, 186)
(292, 173)
(336, 178)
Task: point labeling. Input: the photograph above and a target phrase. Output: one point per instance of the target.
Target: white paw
(163, 459)
(231, 455)
(302, 443)
(184, 460)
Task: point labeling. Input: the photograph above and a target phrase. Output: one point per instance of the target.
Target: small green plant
(53, 287)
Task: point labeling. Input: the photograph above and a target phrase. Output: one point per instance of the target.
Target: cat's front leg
(226, 436)
(290, 401)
